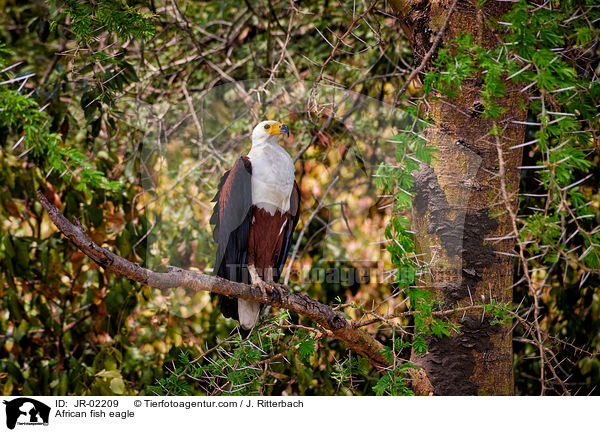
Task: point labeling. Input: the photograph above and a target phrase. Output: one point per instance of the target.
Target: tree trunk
(459, 207)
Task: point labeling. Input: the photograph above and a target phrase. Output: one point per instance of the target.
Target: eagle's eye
(267, 126)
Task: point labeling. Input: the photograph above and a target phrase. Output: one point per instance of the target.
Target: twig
(339, 42)
(433, 48)
(513, 220)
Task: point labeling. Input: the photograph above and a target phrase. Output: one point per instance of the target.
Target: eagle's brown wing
(231, 218)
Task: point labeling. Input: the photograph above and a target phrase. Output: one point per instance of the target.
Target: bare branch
(425, 60)
(340, 328)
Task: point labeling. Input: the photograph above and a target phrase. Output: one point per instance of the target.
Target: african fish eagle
(256, 211)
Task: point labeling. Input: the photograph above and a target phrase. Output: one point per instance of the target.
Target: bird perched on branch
(256, 211)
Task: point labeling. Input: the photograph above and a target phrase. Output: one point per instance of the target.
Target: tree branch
(358, 340)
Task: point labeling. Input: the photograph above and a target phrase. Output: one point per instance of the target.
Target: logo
(26, 411)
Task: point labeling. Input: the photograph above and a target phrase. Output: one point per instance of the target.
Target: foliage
(23, 114)
(90, 19)
(70, 125)
(64, 323)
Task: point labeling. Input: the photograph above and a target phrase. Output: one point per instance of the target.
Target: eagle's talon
(276, 293)
(273, 291)
(278, 288)
(261, 285)
(281, 289)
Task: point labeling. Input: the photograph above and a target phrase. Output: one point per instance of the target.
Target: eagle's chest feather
(272, 178)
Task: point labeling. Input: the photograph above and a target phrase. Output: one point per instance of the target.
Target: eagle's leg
(269, 278)
(269, 285)
(256, 280)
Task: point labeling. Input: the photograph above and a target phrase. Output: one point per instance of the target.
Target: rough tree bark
(459, 207)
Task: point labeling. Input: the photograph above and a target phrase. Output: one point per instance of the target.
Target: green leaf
(306, 349)
(117, 385)
(112, 374)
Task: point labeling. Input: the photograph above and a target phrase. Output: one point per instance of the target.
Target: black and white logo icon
(27, 412)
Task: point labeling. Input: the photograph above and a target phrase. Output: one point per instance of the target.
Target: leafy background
(88, 89)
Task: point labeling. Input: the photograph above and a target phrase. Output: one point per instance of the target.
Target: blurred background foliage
(126, 114)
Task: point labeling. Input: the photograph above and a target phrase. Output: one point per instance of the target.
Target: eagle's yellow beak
(277, 129)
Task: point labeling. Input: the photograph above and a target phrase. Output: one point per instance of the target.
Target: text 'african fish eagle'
(256, 211)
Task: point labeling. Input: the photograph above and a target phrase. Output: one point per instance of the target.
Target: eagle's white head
(268, 131)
